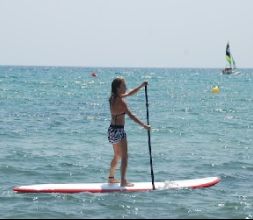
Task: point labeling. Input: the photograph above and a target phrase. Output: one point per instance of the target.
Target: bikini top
(123, 113)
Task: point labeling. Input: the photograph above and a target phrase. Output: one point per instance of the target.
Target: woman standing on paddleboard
(116, 133)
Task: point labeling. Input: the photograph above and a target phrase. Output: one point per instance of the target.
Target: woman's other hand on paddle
(147, 127)
(145, 83)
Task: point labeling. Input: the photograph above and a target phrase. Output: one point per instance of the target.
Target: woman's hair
(115, 85)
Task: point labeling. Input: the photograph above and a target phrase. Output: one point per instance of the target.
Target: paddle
(149, 140)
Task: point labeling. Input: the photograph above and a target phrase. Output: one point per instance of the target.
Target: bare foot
(112, 180)
(126, 184)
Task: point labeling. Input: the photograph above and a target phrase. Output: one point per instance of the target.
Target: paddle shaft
(149, 140)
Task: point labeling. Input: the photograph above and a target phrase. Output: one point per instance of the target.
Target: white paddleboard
(115, 187)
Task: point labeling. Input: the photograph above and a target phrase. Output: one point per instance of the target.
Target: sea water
(53, 129)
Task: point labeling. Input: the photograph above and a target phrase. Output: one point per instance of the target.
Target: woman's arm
(134, 118)
(135, 90)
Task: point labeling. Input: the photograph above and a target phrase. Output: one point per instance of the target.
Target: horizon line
(119, 67)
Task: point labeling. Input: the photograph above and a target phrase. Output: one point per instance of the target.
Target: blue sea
(53, 129)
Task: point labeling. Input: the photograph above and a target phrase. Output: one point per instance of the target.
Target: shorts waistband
(117, 126)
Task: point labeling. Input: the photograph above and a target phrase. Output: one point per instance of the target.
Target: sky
(126, 33)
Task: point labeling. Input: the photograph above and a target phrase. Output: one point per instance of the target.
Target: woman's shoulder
(119, 105)
(121, 101)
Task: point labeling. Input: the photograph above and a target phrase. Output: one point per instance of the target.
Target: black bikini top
(123, 113)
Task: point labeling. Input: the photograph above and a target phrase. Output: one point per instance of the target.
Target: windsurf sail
(230, 59)
(229, 56)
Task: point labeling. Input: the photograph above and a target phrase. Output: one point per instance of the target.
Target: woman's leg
(124, 162)
(114, 162)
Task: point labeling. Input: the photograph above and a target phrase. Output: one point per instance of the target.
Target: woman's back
(117, 111)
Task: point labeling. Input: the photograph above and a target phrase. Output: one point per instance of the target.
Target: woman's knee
(116, 158)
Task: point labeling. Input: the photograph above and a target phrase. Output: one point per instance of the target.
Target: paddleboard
(115, 187)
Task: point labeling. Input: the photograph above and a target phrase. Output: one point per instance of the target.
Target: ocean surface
(53, 129)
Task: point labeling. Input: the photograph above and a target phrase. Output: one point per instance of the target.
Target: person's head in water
(118, 87)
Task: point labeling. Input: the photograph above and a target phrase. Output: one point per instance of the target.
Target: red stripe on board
(27, 190)
(207, 184)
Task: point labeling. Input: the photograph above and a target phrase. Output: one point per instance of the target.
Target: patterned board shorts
(116, 133)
